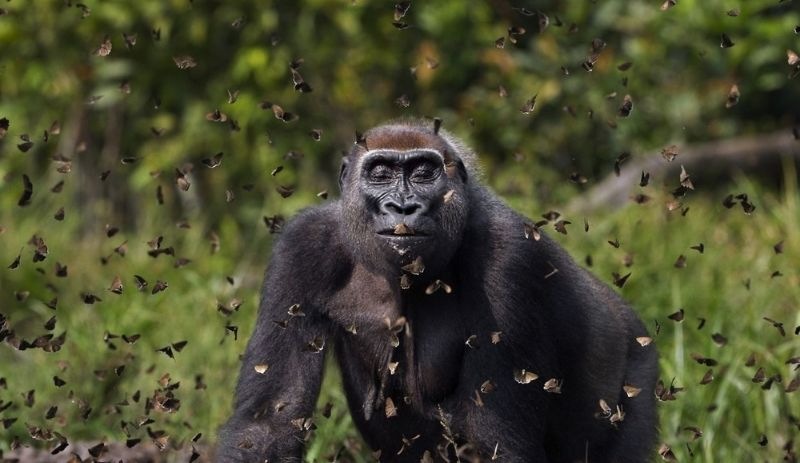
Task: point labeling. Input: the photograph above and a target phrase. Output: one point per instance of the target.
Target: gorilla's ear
(450, 160)
(462, 171)
(343, 173)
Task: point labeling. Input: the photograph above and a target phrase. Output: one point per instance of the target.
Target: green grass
(732, 411)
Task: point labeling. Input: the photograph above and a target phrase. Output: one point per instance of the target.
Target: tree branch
(709, 162)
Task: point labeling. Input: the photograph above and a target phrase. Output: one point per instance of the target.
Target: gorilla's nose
(402, 210)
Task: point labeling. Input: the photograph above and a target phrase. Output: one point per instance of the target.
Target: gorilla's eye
(425, 172)
(380, 174)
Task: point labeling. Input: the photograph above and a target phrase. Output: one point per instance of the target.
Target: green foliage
(132, 122)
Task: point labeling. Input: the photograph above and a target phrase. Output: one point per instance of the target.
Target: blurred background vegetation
(113, 115)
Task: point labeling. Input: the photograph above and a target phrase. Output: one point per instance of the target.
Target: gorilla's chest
(400, 344)
(434, 343)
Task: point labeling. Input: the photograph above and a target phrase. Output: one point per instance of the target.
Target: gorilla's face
(404, 204)
(403, 191)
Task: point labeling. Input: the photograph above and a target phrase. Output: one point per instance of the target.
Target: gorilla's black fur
(434, 296)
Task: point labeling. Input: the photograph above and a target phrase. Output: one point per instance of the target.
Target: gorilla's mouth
(402, 234)
(390, 233)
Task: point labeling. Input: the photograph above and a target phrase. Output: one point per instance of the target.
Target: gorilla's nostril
(411, 208)
(391, 207)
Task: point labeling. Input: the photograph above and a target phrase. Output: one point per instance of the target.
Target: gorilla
(462, 332)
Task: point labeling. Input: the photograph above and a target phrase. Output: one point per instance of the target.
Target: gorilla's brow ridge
(377, 151)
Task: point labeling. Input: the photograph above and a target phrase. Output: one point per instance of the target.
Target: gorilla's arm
(282, 367)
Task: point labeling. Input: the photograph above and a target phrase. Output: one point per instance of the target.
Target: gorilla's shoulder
(311, 238)
(502, 237)
(309, 261)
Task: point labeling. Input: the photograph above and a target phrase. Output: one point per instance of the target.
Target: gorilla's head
(404, 197)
